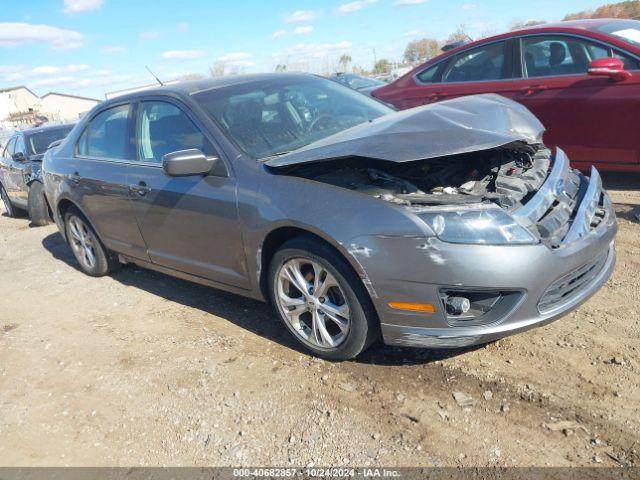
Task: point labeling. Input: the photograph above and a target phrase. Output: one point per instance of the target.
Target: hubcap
(313, 303)
(82, 242)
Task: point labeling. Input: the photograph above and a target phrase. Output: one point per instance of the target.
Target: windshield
(357, 82)
(629, 31)
(271, 117)
(39, 142)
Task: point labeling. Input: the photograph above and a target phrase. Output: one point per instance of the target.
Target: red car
(580, 78)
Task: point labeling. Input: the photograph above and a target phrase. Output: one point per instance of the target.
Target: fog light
(458, 305)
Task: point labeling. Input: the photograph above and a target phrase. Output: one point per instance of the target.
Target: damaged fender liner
(453, 127)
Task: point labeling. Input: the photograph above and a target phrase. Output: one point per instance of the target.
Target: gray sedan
(440, 226)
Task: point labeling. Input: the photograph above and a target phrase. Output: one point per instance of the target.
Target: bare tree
(459, 35)
(421, 50)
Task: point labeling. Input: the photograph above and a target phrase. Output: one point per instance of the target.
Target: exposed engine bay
(505, 176)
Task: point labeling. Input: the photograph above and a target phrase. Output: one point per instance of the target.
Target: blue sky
(88, 47)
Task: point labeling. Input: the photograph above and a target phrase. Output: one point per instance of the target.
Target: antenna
(154, 76)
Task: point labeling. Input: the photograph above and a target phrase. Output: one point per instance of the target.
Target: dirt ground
(144, 369)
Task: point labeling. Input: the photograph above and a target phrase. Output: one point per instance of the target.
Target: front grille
(570, 286)
(568, 205)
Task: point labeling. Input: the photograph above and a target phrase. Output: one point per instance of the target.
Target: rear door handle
(140, 188)
(75, 178)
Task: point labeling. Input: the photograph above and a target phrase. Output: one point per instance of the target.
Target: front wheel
(11, 211)
(93, 257)
(321, 300)
(38, 209)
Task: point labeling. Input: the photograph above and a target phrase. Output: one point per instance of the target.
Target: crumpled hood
(452, 127)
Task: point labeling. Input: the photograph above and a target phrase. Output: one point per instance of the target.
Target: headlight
(488, 226)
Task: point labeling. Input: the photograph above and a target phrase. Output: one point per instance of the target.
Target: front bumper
(414, 269)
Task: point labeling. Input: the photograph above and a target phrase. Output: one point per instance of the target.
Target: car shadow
(620, 181)
(246, 313)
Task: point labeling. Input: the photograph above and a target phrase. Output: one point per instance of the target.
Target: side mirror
(609, 67)
(185, 163)
(54, 144)
(18, 157)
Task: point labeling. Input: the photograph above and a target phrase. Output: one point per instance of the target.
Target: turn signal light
(414, 307)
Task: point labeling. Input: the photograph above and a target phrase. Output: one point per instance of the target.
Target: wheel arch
(61, 209)
(281, 234)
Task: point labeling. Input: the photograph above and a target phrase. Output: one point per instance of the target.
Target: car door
(592, 118)
(97, 175)
(483, 69)
(18, 166)
(190, 223)
(5, 164)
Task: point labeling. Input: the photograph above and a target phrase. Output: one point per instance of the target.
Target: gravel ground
(144, 369)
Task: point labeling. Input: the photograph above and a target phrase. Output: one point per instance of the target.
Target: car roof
(584, 24)
(45, 128)
(191, 87)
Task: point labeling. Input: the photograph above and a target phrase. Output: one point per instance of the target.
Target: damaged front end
(494, 192)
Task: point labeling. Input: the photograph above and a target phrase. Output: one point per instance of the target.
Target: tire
(94, 259)
(10, 210)
(336, 322)
(38, 208)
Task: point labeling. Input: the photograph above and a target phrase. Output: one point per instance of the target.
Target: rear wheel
(93, 257)
(321, 300)
(9, 208)
(38, 209)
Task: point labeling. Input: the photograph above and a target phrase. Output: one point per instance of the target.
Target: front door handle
(140, 188)
(532, 89)
(75, 178)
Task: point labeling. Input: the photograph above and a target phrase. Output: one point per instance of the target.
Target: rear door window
(107, 135)
(484, 63)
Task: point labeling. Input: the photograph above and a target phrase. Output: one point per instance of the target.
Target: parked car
(440, 226)
(362, 84)
(580, 78)
(20, 165)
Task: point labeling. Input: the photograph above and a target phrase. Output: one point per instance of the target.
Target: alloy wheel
(82, 242)
(313, 303)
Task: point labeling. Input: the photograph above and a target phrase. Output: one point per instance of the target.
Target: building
(17, 102)
(21, 108)
(61, 107)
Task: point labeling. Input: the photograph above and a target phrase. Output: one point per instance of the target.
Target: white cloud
(413, 33)
(51, 81)
(182, 26)
(46, 70)
(299, 16)
(355, 6)
(234, 57)
(15, 34)
(6, 69)
(312, 50)
(469, 6)
(79, 67)
(279, 33)
(182, 55)
(404, 3)
(303, 30)
(114, 49)
(149, 35)
(77, 6)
